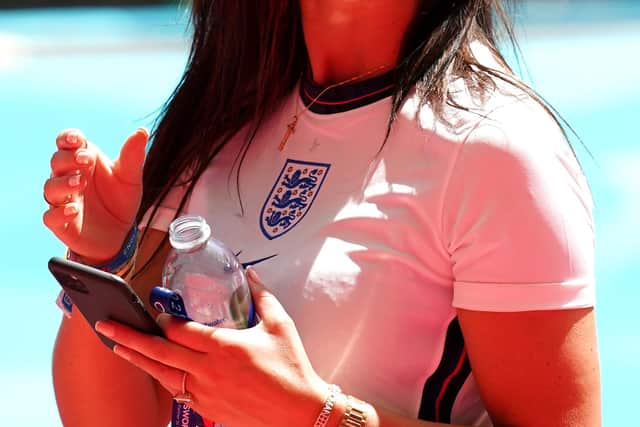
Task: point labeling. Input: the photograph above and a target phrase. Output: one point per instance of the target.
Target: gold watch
(355, 415)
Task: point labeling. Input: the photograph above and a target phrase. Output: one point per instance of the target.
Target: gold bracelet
(329, 403)
(355, 415)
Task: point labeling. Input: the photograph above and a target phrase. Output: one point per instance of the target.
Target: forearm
(95, 387)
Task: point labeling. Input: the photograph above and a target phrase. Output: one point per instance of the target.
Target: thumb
(128, 167)
(267, 305)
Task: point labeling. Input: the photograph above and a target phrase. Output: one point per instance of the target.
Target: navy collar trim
(347, 97)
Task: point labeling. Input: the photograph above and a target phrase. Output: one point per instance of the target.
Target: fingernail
(74, 180)
(122, 352)
(253, 276)
(105, 329)
(83, 158)
(70, 210)
(143, 130)
(73, 138)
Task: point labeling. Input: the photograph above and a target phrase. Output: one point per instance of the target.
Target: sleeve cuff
(512, 297)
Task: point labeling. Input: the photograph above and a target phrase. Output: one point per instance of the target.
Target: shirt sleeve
(517, 217)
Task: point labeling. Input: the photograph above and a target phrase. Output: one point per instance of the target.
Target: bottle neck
(189, 233)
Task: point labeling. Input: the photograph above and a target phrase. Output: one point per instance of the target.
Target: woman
(422, 226)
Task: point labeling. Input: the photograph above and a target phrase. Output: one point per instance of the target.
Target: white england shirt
(372, 247)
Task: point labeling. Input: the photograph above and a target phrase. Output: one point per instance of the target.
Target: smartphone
(102, 296)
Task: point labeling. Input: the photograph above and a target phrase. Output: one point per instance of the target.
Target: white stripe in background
(15, 48)
(12, 48)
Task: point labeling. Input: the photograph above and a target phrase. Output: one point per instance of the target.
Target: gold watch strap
(355, 415)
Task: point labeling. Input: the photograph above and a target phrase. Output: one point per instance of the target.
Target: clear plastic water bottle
(202, 281)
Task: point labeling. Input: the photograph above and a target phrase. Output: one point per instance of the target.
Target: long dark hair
(247, 56)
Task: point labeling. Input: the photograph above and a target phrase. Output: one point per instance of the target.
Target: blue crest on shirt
(291, 197)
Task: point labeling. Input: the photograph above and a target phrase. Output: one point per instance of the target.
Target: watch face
(355, 415)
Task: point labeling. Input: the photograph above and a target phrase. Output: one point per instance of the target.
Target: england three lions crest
(291, 197)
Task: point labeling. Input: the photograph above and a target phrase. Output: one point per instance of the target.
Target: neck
(351, 38)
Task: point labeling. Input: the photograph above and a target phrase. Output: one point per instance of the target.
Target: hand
(252, 377)
(93, 200)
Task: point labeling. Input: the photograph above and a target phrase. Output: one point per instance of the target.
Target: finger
(57, 219)
(192, 335)
(70, 139)
(128, 166)
(64, 189)
(267, 305)
(150, 346)
(64, 162)
(169, 377)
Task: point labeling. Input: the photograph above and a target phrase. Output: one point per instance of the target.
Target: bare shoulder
(150, 259)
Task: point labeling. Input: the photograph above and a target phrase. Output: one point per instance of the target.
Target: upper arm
(151, 257)
(148, 272)
(535, 368)
(518, 225)
(95, 387)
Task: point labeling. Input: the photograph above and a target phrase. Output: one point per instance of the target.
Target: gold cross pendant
(291, 128)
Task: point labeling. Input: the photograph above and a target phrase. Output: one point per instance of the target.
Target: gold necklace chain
(291, 126)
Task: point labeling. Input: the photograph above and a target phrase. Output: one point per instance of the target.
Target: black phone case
(102, 296)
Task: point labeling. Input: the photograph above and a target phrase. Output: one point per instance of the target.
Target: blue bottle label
(167, 301)
(184, 416)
